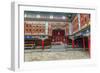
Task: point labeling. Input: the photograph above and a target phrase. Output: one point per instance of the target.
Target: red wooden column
(89, 45)
(83, 42)
(33, 43)
(43, 44)
(73, 43)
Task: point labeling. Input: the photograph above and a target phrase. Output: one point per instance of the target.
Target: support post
(67, 39)
(79, 25)
(89, 45)
(76, 44)
(43, 44)
(73, 42)
(83, 42)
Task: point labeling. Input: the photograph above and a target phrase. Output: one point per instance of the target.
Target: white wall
(5, 31)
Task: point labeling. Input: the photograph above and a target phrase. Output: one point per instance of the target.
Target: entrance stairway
(64, 47)
(58, 48)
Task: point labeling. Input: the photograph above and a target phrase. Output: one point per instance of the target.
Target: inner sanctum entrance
(58, 36)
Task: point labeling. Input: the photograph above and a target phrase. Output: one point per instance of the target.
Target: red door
(58, 35)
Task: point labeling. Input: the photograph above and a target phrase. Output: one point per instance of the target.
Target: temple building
(56, 30)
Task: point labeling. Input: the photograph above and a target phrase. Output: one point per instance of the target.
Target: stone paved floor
(60, 55)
